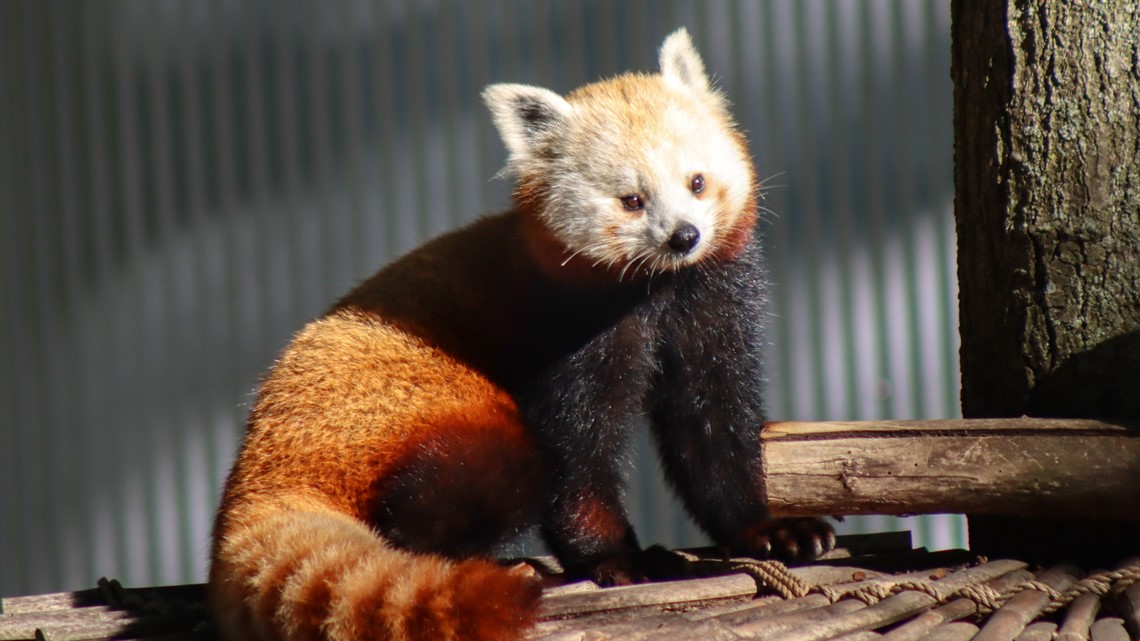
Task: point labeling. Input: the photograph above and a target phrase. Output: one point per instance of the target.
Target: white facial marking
(643, 137)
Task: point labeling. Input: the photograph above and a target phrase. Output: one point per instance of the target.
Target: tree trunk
(1047, 204)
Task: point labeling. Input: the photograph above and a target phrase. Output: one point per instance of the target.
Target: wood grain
(1010, 466)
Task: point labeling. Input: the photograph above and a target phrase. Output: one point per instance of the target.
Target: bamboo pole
(954, 631)
(959, 608)
(1078, 618)
(902, 604)
(1038, 631)
(1129, 606)
(1012, 617)
(1109, 629)
(689, 592)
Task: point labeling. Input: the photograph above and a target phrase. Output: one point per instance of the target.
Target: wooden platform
(872, 587)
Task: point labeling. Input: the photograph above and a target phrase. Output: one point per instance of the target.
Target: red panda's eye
(698, 184)
(632, 202)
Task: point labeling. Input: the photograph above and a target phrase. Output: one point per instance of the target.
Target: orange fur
(394, 408)
(595, 519)
(353, 397)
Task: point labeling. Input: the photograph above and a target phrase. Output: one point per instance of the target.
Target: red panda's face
(639, 174)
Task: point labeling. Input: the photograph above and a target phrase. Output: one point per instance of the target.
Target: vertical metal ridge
(768, 152)
(350, 49)
(199, 262)
(41, 305)
(11, 276)
(164, 517)
(294, 257)
(430, 101)
(104, 551)
(419, 207)
(131, 307)
(386, 153)
(62, 379)
(874, 201)
(272, 278)
(450, 113)
(326, 212)
(402, 188)
(941, 173)
(903, 148)
(208, 452)
(76, 550)
(840, 86)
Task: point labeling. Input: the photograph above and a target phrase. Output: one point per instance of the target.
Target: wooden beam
(992, 466)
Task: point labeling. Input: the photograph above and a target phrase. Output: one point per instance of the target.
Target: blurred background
(183, 184)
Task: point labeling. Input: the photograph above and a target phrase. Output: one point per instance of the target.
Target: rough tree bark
(1047, 181)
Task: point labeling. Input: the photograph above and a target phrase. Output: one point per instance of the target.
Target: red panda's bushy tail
(317, 575)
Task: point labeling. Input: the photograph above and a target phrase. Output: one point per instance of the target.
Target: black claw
(792, 539)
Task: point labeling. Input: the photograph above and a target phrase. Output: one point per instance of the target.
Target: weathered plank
(170, 613)
(1013, 466)
(48, 602)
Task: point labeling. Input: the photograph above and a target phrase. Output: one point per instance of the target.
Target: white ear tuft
(681, 62)
(525, 115)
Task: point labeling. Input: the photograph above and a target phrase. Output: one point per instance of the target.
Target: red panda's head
(633, 175)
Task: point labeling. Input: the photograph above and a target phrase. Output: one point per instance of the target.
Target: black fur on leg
(706, 402)
(582, 408)
(686, 352)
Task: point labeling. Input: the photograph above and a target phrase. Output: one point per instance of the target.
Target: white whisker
(571, 256)
(588, 249)
(621, 274)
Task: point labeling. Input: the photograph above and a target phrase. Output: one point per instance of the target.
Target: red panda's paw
(793, 539)
(654, 563)
(619, 570)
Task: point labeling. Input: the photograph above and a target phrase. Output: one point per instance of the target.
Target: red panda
(486, 383)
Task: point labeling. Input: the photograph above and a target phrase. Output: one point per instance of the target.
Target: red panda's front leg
(589, 532)
(581, 410)
(707, 411)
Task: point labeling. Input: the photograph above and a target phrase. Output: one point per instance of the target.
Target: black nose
(684, 239)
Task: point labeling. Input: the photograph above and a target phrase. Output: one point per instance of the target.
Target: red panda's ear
(525, 116)
(680, 61)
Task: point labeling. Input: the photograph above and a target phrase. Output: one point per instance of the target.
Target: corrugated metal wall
(183, 184)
